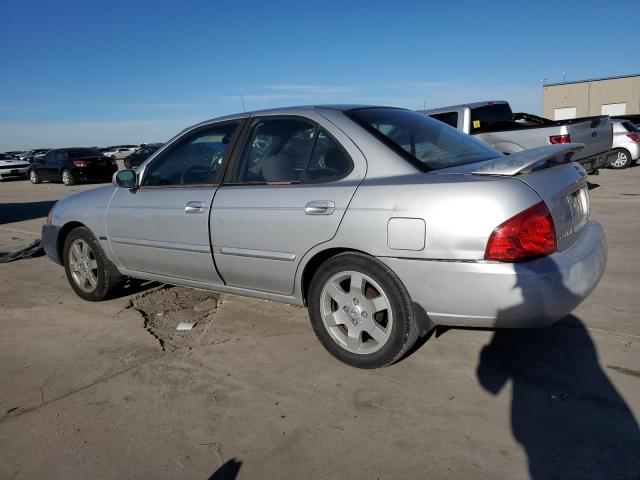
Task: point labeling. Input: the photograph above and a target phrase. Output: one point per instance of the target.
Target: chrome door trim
(267, 255)
(183, 247)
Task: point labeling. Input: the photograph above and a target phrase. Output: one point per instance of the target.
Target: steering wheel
(202, 174)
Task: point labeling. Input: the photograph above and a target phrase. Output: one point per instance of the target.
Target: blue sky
(96, 73)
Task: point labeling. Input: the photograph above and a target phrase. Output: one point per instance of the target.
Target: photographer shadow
(565, 412)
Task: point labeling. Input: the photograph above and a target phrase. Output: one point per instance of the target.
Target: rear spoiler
(528, 160)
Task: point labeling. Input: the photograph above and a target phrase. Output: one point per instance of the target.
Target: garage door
(614, 109)
(565, 113)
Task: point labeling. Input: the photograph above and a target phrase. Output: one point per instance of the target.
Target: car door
(162, 227)
(47, 166)
(286, 191)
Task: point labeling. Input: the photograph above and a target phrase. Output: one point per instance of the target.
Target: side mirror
(125, 179)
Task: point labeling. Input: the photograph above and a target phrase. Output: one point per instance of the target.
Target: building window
(565, 113)
(614, 109)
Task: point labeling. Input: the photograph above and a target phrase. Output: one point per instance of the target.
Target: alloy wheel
(67, 179)
(356, 312)
(621, 160)
(83, 265)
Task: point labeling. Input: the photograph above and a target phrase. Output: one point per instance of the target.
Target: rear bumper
(88, 174)
(49, 241)
(496, 295)
(595, 162)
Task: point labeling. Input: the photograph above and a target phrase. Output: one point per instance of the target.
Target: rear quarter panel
(459, 213)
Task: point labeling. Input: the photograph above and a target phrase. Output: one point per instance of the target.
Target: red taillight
(80, 163)
(555, 139)
(529, 234)
(634, 136)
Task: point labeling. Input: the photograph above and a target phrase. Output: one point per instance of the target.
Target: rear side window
(629, 127)
(423, 141)
(82, 152)
(482, 118)
(290, 150)
(450, 118)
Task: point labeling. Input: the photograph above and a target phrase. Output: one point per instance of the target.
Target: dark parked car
(72, 165)
(136, 158)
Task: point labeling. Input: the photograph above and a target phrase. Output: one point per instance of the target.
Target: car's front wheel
(622, 159)
(361, 312)
(34, 177)
(91, 274)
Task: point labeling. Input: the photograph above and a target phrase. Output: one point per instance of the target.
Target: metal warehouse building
(600, 96)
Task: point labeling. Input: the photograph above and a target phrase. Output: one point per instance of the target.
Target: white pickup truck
(494, 123)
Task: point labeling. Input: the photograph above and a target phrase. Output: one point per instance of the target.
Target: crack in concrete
(21, 412)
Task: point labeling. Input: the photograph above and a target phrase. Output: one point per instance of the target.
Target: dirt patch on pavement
(165, 307)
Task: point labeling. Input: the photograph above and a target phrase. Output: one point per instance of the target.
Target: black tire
(622, 158)
(404, 328)
(67, 178)
(108, 277)
(34, 177)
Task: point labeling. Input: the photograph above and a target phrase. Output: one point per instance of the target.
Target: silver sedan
(382, 221)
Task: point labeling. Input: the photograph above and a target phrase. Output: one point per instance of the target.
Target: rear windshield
(83, 152)
(425, 142)
(483, 117)
(630, 127)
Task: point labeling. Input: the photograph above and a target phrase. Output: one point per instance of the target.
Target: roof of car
(290, 110)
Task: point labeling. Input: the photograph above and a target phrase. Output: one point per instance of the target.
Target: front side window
(276, 152)
(427, 143)
(193, 160)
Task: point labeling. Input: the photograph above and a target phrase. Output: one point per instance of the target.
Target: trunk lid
(561, 183)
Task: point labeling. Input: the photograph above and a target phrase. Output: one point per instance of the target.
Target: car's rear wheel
(90, 273)
(361, 312)
(67, 178)
(34, 177)
(621, 160)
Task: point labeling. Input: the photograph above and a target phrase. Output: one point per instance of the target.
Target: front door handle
(195, 207)
(320, 207)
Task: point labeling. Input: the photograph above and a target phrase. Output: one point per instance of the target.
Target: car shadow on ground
(19, 212)
(228, 471)
(134, 286)
(565, 412)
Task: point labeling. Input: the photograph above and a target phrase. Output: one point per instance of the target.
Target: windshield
(427, 143)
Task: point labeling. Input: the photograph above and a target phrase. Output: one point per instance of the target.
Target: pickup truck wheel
(34, 177)
(90, 273)
(361, 312)
(67, 178)
(622, 159)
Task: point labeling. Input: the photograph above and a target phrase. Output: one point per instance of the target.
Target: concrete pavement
(87, 391)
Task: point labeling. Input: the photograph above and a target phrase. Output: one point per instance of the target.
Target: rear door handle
(320, 207)
(195, 207)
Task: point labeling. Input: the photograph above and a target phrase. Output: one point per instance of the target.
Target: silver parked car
(626, 144)
(382, 221)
